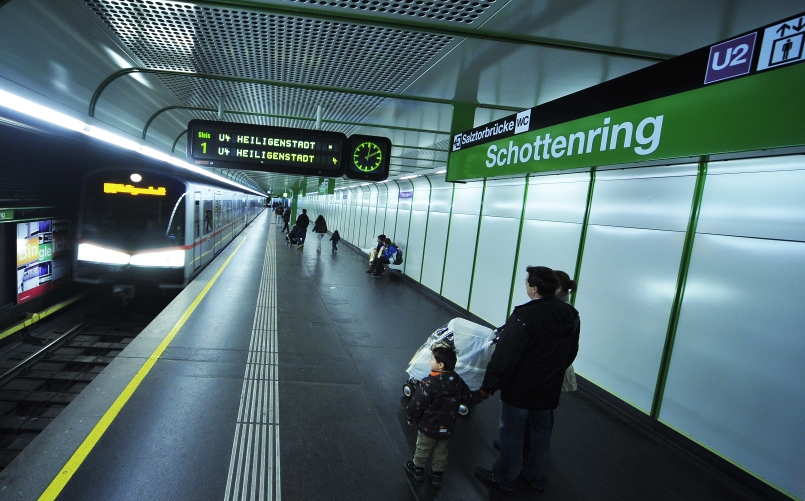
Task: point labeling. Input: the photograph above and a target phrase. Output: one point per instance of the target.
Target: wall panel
(416, 240)
(736, 381)
(504, 198)
(754, 204)
(626, 198)
(434, 251)
(493, 268)
(467, 199)
(460, 252)
(627, 285)
(558, 198)
(545, 243)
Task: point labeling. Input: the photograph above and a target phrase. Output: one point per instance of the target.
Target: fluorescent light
(38, 111)
(410, 177)
(444, 171)
(95, 254)
(173, 258)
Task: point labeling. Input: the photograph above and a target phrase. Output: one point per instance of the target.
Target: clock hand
(373, 154)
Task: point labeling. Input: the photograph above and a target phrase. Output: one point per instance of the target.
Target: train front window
(123, 220)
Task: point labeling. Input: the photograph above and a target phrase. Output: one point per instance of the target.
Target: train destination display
(291, 151)
(265, 148)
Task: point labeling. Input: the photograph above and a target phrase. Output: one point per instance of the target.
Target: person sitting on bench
(383, 257)
(374, 252)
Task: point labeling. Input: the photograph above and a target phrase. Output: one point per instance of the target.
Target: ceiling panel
(351, 58)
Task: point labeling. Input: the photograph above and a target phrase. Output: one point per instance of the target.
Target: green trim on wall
(397, 213)
(359, 242)
(519, 241)
(477, 238)
(410, 215)
(386, 210)
(355, 227)
(583, 237)
(427, 221)
(447, 242)
(377, 204)
(681, 282)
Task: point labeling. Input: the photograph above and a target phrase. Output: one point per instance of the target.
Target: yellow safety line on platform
(42, 314)
(72, 465)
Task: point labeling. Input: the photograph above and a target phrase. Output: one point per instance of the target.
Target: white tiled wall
(735, 382)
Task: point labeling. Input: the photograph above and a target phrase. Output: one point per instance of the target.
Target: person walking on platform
(320, 229)
(302, 222)
(538, 343)
(286, 219)
(335, 239)
(280, 211)
(434, 406)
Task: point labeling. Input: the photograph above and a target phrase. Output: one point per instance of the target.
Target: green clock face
(367, 156)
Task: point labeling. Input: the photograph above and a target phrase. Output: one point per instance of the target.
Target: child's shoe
(415, 471)
(436, 479)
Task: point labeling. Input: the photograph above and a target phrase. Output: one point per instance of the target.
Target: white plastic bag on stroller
(474, 347)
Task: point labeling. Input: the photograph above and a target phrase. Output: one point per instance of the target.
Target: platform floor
(320, 415)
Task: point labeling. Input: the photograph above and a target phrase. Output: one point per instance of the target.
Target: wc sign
(522, 121)
(730, 59)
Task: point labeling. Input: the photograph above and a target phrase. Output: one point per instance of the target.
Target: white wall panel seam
(410, 214)
(427, 220)
(519, 240)
(447, 238)
(477, 236)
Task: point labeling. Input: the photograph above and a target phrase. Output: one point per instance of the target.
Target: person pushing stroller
(435, 408)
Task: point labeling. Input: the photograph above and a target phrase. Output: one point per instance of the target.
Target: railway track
(42, 372)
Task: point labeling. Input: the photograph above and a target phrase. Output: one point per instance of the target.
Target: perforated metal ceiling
(241, 43)
(464, 11)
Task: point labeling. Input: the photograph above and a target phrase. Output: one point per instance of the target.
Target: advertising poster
(44, 257)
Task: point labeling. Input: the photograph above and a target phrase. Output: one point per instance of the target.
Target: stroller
(474, 345)
(290, 238)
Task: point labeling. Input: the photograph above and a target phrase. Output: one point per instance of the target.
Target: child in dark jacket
(335, 239)
(434, 406)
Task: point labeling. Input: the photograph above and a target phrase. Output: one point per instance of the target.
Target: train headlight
(173, 258)
(88, 252)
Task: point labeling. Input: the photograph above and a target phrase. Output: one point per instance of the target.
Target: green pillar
(463, 119)
(294, 192)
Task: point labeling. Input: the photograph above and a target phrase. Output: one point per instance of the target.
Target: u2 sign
(730, 59)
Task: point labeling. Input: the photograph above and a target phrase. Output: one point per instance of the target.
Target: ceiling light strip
(40, 112)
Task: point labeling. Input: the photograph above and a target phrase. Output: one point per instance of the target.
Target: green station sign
(758, 112)
(6, 214)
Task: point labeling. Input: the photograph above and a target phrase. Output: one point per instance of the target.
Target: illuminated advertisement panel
(43, 257)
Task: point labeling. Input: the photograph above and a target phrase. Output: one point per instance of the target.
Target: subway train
(155, 228)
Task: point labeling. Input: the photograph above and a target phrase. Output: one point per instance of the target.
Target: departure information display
(290, 151)
(265, 148)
